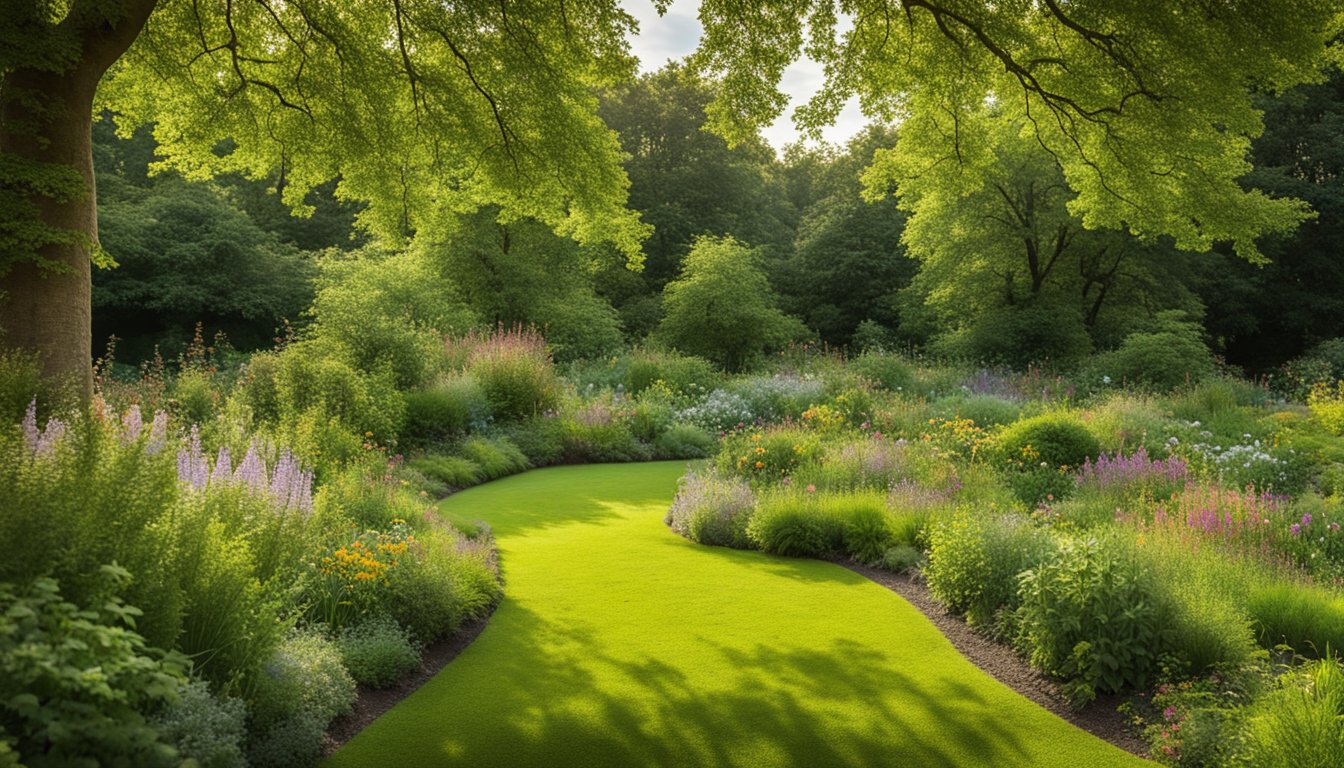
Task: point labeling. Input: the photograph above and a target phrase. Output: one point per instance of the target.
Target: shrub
(449, 579)
(901, 558)
(302, 688)
(1090, 616)
(711, 510)
(765, 455)
(887, 371)
(720, 411)
(448, 409)
(1305, 617)
(387, 312)
(75, 682)
(1125, 422)
(452, 471)
(974, 562)
(194, 398)
(355, 580)
(684, 375)
(81, 495)
(868, 531)
(1327, 406)
(788, 524)
(309, 383)
(684, 441)
(871, 463)
(514, 371)
(1020, 335)
(1051, 439)
(496, 457)
(776, 398)
(1172, 355)
(1301, 723)
(377, 652)
(1203, 592)
(985, 410)
(208, 729)
(540, 439)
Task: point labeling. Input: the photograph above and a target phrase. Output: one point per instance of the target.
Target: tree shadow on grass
(535, 692)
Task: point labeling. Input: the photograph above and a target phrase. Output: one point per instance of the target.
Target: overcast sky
(675, 35)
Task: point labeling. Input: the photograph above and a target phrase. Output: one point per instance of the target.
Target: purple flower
(1169, 713)
(131, 422)
(158, 433)
(1295, 529)
(30, 431)
(1306, 520)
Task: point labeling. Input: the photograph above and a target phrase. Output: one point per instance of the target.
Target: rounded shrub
(790, 524)
(887, 371)
(683, 374)
(514, 371)
(1170, 356)
(445, 410)
(205, 728)
(1022, 334)
(712, 510)
(1052, 440)
(684, 441)
(1305, 617)
(377, 652)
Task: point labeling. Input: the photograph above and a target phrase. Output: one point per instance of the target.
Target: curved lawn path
(622, 644)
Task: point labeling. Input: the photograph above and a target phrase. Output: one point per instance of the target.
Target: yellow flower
(760, 465)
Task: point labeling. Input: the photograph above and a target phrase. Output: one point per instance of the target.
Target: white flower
(1105, 379)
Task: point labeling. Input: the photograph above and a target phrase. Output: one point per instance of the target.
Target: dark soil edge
(1099, 718)
(371, 703)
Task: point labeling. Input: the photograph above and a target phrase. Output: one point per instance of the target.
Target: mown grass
(622, 644)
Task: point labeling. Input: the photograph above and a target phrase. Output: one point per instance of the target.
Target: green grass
(621, 644)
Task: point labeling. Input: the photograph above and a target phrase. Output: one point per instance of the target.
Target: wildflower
(1295, 529)
(811, 488)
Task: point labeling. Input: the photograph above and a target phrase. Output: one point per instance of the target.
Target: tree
(1007, 272)
(421, 106)
(418, 107)
(520, 273)
(848, 259)
(722, 308)
(1144, 107)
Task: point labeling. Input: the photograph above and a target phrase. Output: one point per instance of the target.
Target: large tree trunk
(47, 310)
(46, 117)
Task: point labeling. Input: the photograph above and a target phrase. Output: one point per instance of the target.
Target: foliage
(711, 510)
(684, 441)
(721, 307)
(450, 579)
(1050, 440)
(770, 454)
(1090, 617)
(796, 525)
(974, 562)
(513, 368)
(380, 311)
(496, 457)
(1307, 618)
(1301, 723)
(76, 681)
(682, 375)
(886, 370)
(447, 409)
(350, 582)
(720, 411)
(452, 471)
(1328, 407)
(205, 728)
(377, 652)
(1170, 356)
(303, 688)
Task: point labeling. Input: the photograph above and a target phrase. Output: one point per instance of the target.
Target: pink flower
(811, 488)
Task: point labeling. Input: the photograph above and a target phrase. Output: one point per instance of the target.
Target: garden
(456, 384)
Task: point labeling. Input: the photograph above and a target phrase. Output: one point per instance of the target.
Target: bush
(1301, 723)
(1327, 406)
(303, 688)
(194, 397)
(540, 439)
(684, 441)
(75, 682)
(204, 728)
(710, 510)
(867, 463)
(514, 371)
(309, 383)
(377, 652)
(768, 455)
(720, 411)
(448, 409)
(1171, 356)
(887, 371)
(1305, 617)
(387, 312)
(984, 410)
(452, 471)
(1204, 597)
(1051, 440)
(1020, 335)
(901, 558)
(1090, 617)
(449, 579)
(684, 375)
(776, 398)
(789, 524)
(496, 457)
(974, 562)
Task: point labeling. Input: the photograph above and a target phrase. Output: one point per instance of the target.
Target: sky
(675, 35)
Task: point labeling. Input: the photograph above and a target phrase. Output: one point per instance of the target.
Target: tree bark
(48, 311)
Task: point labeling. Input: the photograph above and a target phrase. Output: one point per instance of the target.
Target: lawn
(622, 644)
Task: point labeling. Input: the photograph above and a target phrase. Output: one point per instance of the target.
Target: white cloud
(676, 34)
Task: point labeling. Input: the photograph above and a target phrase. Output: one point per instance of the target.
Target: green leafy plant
(975, 560)
(377, 652)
